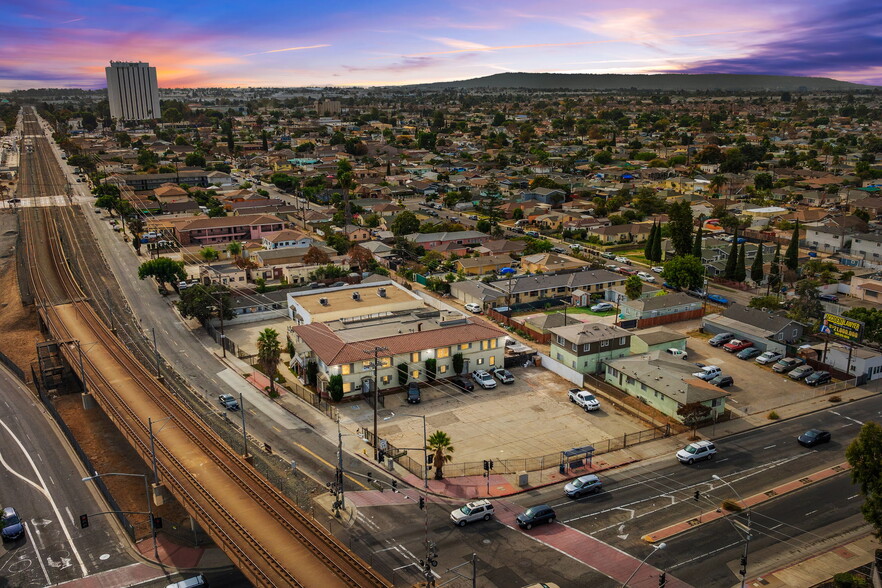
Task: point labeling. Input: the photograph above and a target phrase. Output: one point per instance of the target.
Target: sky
(61, 43)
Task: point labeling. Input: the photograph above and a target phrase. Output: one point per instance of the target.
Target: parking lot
(755, 385)
(529, 418)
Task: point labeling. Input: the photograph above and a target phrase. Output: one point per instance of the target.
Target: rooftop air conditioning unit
(323, 301)
(381, 292)
(356, 296)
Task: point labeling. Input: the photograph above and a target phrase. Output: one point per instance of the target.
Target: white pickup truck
(583, 399)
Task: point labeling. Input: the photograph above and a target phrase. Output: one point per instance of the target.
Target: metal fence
(297, 389)
(13, 367)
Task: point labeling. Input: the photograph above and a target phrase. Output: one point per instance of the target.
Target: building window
(480, 361)
(558, 358)
(574, 347)
(464, 346)
(586, 347)
(415, 374)
(347, 387)
(414, 357)
(604, 343)
(443, 352)
(385, 362)
(491, 360)
(442, 369)
(621, 340)
(559, 340)
(386, 379)
(346, 369)
(488, 344)
(630, 381)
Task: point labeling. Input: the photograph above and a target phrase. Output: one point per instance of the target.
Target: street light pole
(634, 573)
(377, 350)
(738, 525)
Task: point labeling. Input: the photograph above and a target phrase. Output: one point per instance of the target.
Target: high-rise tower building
(132, 91)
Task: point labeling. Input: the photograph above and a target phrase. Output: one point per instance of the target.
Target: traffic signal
(486, 465)
(430, 459)
(84, 521)
(395, 485)
(661, 580)
(697, 495)
(491, 464)
(157, 522)
(381, 455)
(370, 476)
(422, 503)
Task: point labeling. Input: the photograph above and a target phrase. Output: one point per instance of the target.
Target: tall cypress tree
(696, 245)
(791, 258)
(650, 241)
(657, 254)
(732, 260)
(775, 270)
(680, 222)
(740, 269)
(756, 269)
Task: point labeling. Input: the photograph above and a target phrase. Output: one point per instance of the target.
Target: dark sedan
(462, 383)
(813, 437)
(12, 527)
(748, 353)
(818, 378)
(722, 381)
(535, 515)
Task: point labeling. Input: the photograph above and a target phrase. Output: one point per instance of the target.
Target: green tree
(657, 253)
(791, 258)
(732, 260)
(862, 214)
(770, 302)
(109, 202)
(517, 214)
(680, 224)
(537, 246)
(335, 387)
(162, 269)
(763, 181)
(806, 308)
(633, 287)
(756, 268)
(872, 319)
(195, 159)
(740, 269)
(147, 158)
(402, 374)
(439, 443)
(483, 226)
(685, 271)
(693, 414)
(775, 268)
(235, 249)
(404, 223)
(650, 243)
(208, 254)
(697, 244)
(864, 455)
(204, 302)
(136, 226)
(458, 363)
(269, 351)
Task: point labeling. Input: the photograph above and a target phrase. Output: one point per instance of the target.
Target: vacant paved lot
(531, 417)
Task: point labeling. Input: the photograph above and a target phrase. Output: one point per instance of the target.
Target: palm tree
(235, 249)
(439, 442)
(269, 351)
(717, 182)
(208, 254)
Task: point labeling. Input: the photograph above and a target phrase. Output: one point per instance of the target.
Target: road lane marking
(769, 447)
(39, 557)
(810, 513)
(330, 465)
(276, 429)
(853, 497)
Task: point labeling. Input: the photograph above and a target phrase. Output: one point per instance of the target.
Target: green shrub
(773, 416)
(335, 387)
(835, 399)
(731, 506)
(402, 374)
(458, 363)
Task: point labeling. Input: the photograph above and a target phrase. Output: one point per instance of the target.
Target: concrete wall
(562, 370)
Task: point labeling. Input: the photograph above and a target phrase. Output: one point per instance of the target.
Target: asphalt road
(42, 480)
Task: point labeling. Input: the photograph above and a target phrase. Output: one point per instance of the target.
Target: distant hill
(669, 82)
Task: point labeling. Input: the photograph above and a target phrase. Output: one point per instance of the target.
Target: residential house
(223, 274)
(858, 361)
(545, 322)
(867, 288)
(475, 292)
(657, 339)
(357, 234)
(287, 255)
(664, 383)
(627, 233)
(618, 295)
(868, 246)
(287, 238)
(550, 262)
(659, 310)
(225, 229)
(584, 346)
(487, 264)
(560, 286)
(436, 240)
(152, 181)
(544, 195)
(768, 331)
(500, 246)
(829, 239)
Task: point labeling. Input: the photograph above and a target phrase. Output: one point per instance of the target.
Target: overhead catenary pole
(244, 434)
(156, 354)
(376, 385)
(82, 371)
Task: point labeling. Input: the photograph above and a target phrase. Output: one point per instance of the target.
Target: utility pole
(342, 503)
(244, 434)
(82, 371)
(156, 354)
(376, 383)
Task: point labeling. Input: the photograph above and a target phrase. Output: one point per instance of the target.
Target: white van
(194, 582)
(708, 373)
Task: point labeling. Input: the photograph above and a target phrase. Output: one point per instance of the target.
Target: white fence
(563, 371)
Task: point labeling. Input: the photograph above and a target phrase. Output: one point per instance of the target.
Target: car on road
(828, 298)
(462, 383)
(813, 437)
(533, 234)
(483, 379)
(717, 299)
(768, 357)
(558, 250)
(503, 375)
(657, 269)
(722, 381)
(583, 399)
(626, 271)
(677, 352)
(473, 217)
(11, 527)
(748, 353)
(736, 345)
(479, 510)
(782, 366)
(228, 402)
(800, 373)
(536, 515)
(646, 277)
(473, 307)
(696, 452)
(602, 307)
(608, 255)
(817, 378)
(612, 267)
(413, 393)
(720, 339)
(622, 259)
(583, 485)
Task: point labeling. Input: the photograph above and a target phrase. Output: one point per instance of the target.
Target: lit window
(464, 346)
(442, 369)
(443, 352)
(346, 369)
(347, 387)
(366, 365)
(492, 360)
(415, 374)
(386, 379)
(414, 357)
(385, 362)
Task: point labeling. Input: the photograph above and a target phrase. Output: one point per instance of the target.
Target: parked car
(657, 269)
(473, 511)
(670, 287)
(536, 515)
(583, 485)
(697, 451)
(708, 373)
(800, 373)
(462, 383)
(11, 526)
(783, 366)
(612, 267)
(828, 297)
(583, 399)
(717, 299)
(813, 437)
(558, 250)
(503, 375)
(748, 353)
(817, 378)
(473, 307)
(646, 277)
(697, 292)
(768, 357)
(627, 271)
(622, 259)
(602, 307)
(534, 234)
(228, 402)
(483, 379)
(413, 393)
(722, 381)
(736, 345)
(473, 217)
(677, 352)
(720, 339)
(608, 255)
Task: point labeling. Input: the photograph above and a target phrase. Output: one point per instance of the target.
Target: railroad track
(275, 544)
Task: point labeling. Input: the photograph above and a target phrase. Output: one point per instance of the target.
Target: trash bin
(562, 469)
(523, 479)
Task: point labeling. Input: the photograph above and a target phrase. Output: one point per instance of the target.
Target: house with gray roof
(658, 310)
(558, 286)
(767, 330)
(584, 346)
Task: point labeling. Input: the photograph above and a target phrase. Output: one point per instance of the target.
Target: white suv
(583, 399)
(697, 451)
(472, 307)
(471, 512)
(483, 379)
